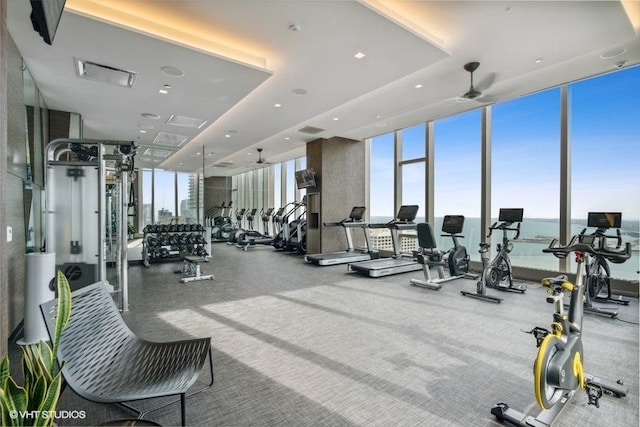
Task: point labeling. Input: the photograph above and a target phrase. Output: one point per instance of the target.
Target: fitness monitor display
(408, 213)
(453, 224)
(357, 213)
(305, 178)
(604, 219)
(510, 215)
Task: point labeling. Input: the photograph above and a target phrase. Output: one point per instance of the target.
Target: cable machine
(86, 215)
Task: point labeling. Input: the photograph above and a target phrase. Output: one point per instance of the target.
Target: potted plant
(35, 402)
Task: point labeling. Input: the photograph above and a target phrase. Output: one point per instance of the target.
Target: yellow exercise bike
(558, 369)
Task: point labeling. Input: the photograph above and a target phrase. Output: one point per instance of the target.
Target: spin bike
(498, 274)
(456, 258)
(598, 271)
(558, 369)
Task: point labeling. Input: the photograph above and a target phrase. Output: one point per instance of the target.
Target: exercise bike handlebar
(506, 227)
(579, 244)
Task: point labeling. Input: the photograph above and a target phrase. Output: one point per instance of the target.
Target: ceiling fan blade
(486, 82)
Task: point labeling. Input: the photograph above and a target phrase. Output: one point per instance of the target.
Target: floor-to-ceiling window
(147, 200)
(164, 201)
(605, 147)
(277, 186)
(381, 188)
(525, 173)
(381, 178)
(457, 172)
(413, 168)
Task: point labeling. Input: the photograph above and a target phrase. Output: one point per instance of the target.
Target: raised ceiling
(253, 74)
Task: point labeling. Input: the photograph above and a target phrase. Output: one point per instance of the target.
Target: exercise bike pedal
(594, 392)
(539, 334)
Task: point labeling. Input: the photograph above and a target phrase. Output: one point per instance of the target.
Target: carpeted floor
(302, 345)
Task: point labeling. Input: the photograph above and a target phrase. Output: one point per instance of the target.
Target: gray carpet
(301, 345)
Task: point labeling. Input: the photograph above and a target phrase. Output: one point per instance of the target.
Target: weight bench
(104, 361)
(191, 267)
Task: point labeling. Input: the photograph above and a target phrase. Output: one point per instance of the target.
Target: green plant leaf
(63, 313)
(47, 359)
(4, 370)
(12, 398)
(50, 401)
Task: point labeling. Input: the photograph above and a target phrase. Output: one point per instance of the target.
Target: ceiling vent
(184, 121)
(154, 152)
(311, 130)
(164, 138)
(105, 74)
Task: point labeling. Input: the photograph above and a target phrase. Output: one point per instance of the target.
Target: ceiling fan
(475, 92)
(260, 159)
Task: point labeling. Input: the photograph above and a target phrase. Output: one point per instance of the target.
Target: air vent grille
(311, 130)
(105, 74)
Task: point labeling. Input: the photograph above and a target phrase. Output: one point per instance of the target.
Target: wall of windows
(525, 166)
(169, 195)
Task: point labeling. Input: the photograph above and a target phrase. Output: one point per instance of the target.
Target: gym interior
(378, 213)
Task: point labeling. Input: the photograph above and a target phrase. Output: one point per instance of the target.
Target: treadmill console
(407, 213)
(357, 213)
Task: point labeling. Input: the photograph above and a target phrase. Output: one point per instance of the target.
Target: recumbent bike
(456, 258)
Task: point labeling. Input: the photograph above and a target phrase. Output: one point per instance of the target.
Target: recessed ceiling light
(143, 131)
(249, 153)
(538, 60)
(378, 116)
(277, 105)
(226, 135)
(163, 91)
(150, 116)
(418, 86)
(172, 71)
(287, 138)
(613, 53)
(299, 91)
(335, 119)
(359, 55)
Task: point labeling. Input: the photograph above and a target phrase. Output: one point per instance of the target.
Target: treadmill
(351, 254)
(400, 262)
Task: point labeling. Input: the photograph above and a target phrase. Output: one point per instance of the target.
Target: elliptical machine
(429, 256)
(558, 371)
(499, 270)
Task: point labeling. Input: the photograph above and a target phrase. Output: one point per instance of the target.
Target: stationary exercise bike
(498, 273)
(558, 369)
(456, 258)
(598, 271)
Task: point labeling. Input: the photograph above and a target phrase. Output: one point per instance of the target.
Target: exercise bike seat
(560, 281)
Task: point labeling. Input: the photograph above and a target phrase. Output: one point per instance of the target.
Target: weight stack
(40, 276)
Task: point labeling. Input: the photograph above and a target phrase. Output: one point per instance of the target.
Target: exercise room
(319, 213)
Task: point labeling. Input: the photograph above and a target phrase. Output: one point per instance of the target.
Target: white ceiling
(240, 58)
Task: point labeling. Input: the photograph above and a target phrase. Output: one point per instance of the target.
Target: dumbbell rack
(165, 242)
